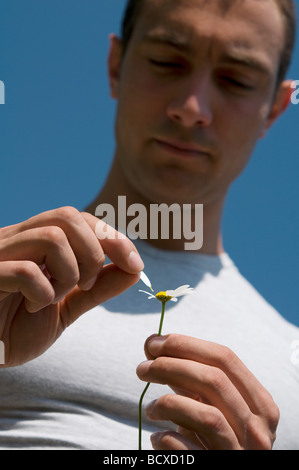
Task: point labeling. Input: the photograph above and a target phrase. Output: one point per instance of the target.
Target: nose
(191, 105)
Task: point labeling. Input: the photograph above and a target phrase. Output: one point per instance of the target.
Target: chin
(171, 197)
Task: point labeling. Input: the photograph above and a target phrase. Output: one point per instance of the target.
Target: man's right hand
(51, 272)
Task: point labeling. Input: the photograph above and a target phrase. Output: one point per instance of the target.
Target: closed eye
(166, 64)
(236, 83)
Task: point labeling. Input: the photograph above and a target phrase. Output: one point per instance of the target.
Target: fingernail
(142, 369)
(150, 408)
(90, 284)
(155, 437)
(59, 299)
(154, 345)
(135, 261)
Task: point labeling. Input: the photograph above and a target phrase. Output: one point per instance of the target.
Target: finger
(220, 357)
(177, 390)
(199, 380)
(170, 440)
(111, 282)
(81, 238)
(48, 246)
(89, 251)
(120, 250)
(204, 420)
(27, 278)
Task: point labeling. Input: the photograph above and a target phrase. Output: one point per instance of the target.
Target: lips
(182, 149)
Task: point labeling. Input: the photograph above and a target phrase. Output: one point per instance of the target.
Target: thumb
(111, 282)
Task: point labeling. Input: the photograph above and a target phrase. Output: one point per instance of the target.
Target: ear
(114, 64)
(280, 104)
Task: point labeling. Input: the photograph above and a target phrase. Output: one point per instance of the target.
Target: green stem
(162, 318)
(140, 416)
(147, 385)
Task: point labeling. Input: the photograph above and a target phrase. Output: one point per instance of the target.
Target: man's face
(195, 92)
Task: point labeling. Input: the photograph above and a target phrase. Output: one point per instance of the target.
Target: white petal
(185, 292)
(178, 290)
(151, 296)
(171, 293)
(182, 290)
(146, 280)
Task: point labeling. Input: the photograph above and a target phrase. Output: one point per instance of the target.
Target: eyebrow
(182, 42)
(246, 61)
(171, 38)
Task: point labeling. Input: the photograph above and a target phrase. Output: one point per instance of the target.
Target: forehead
(241, 26)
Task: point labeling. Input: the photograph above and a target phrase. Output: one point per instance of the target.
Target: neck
(194, 235)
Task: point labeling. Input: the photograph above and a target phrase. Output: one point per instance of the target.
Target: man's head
(196, 84)
(286, 7)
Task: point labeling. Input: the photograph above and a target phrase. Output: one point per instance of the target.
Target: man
(197, 84)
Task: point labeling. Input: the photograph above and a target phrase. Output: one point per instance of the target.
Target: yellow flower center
(163, 297)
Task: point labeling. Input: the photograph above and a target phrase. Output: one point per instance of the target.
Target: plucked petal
(146, 280)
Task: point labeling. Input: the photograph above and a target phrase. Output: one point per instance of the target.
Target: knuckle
(270, 410)
(274, 417)
(213, 420)
(159, 363)
(259, 436)
(53, 234)
(68, 213)
(159, 368)
(167, 402)
(175, 342)
(216, 378)
(272, 420)
(26, 270)
(225, 358)
(263, 441)
(266, 443)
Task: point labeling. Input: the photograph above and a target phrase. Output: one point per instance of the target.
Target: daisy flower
(163, 296)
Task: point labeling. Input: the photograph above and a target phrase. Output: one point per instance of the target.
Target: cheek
(139, 100)
(242, 123)
(238, 129)
(142, 90)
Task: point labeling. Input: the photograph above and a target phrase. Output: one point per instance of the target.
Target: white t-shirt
(83, 392)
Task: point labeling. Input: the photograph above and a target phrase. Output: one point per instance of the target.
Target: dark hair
(288, 11)
(131, 14)
(287, 8)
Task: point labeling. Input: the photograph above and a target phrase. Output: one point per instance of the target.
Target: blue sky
(57, 140)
